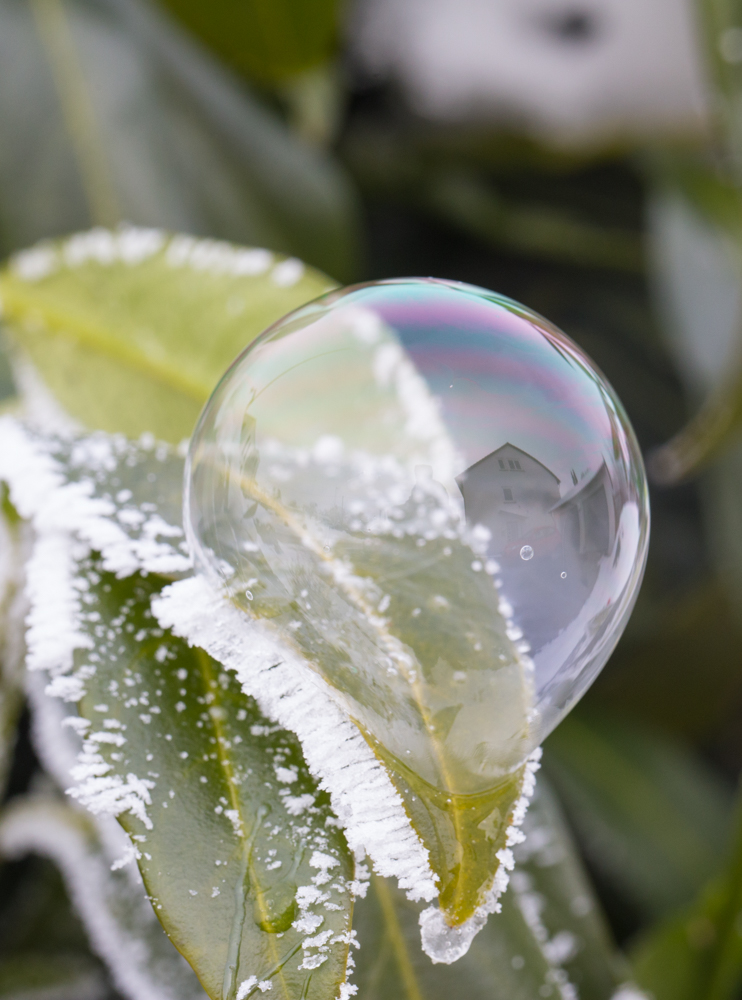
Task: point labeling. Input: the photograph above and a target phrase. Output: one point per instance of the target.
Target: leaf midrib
(19, 308)
(399, 945)
(211, 686)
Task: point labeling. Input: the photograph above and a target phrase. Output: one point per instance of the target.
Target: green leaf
(120, 925)
(171, 139)
(697, 954)
(239, 852)
(11, 632)
(134, 340)
(266, 40)
(463, 833)
(550, 933)
(653, 819)
(450, 618)
(425, 729)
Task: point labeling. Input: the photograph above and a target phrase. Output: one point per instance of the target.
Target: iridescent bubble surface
(433, 495)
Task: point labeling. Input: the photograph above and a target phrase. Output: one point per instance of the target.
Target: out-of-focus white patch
(122, 927)
(629, 992)
(695, 272)
(567, 70)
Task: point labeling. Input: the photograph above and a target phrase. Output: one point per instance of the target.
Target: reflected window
(508, 494)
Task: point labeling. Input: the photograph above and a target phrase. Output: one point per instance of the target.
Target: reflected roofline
(462, 476)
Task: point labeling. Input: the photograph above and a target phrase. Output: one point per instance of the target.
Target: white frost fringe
(40, 492)
(54, 633)
(445, 944)
(132, 245)
(289, 691)
(53, 621)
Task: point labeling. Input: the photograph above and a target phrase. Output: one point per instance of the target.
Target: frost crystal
(63, 485)
(289, 691)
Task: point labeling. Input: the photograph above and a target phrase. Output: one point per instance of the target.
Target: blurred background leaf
(267, 40)
(119, 923)
(697, 954)
(123, 117)
(653, 820)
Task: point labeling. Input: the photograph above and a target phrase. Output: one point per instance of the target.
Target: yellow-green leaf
(132, 329)
(453, 732)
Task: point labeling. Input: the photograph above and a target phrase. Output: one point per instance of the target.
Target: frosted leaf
(429, 496)
(122, 498)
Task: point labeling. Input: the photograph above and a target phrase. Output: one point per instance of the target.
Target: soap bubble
(432, 495)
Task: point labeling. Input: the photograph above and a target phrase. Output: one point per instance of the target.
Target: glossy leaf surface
(230, 825)
(448, 617)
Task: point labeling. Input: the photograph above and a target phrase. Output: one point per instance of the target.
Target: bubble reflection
(432, 494)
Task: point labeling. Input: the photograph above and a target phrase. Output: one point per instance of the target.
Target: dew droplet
(249, 595)
(526, 552)
(275, 909)
(563, 575)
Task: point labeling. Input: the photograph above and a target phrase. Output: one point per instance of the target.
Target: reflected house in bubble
(587, 514)
(521, 502)
(512, 494)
